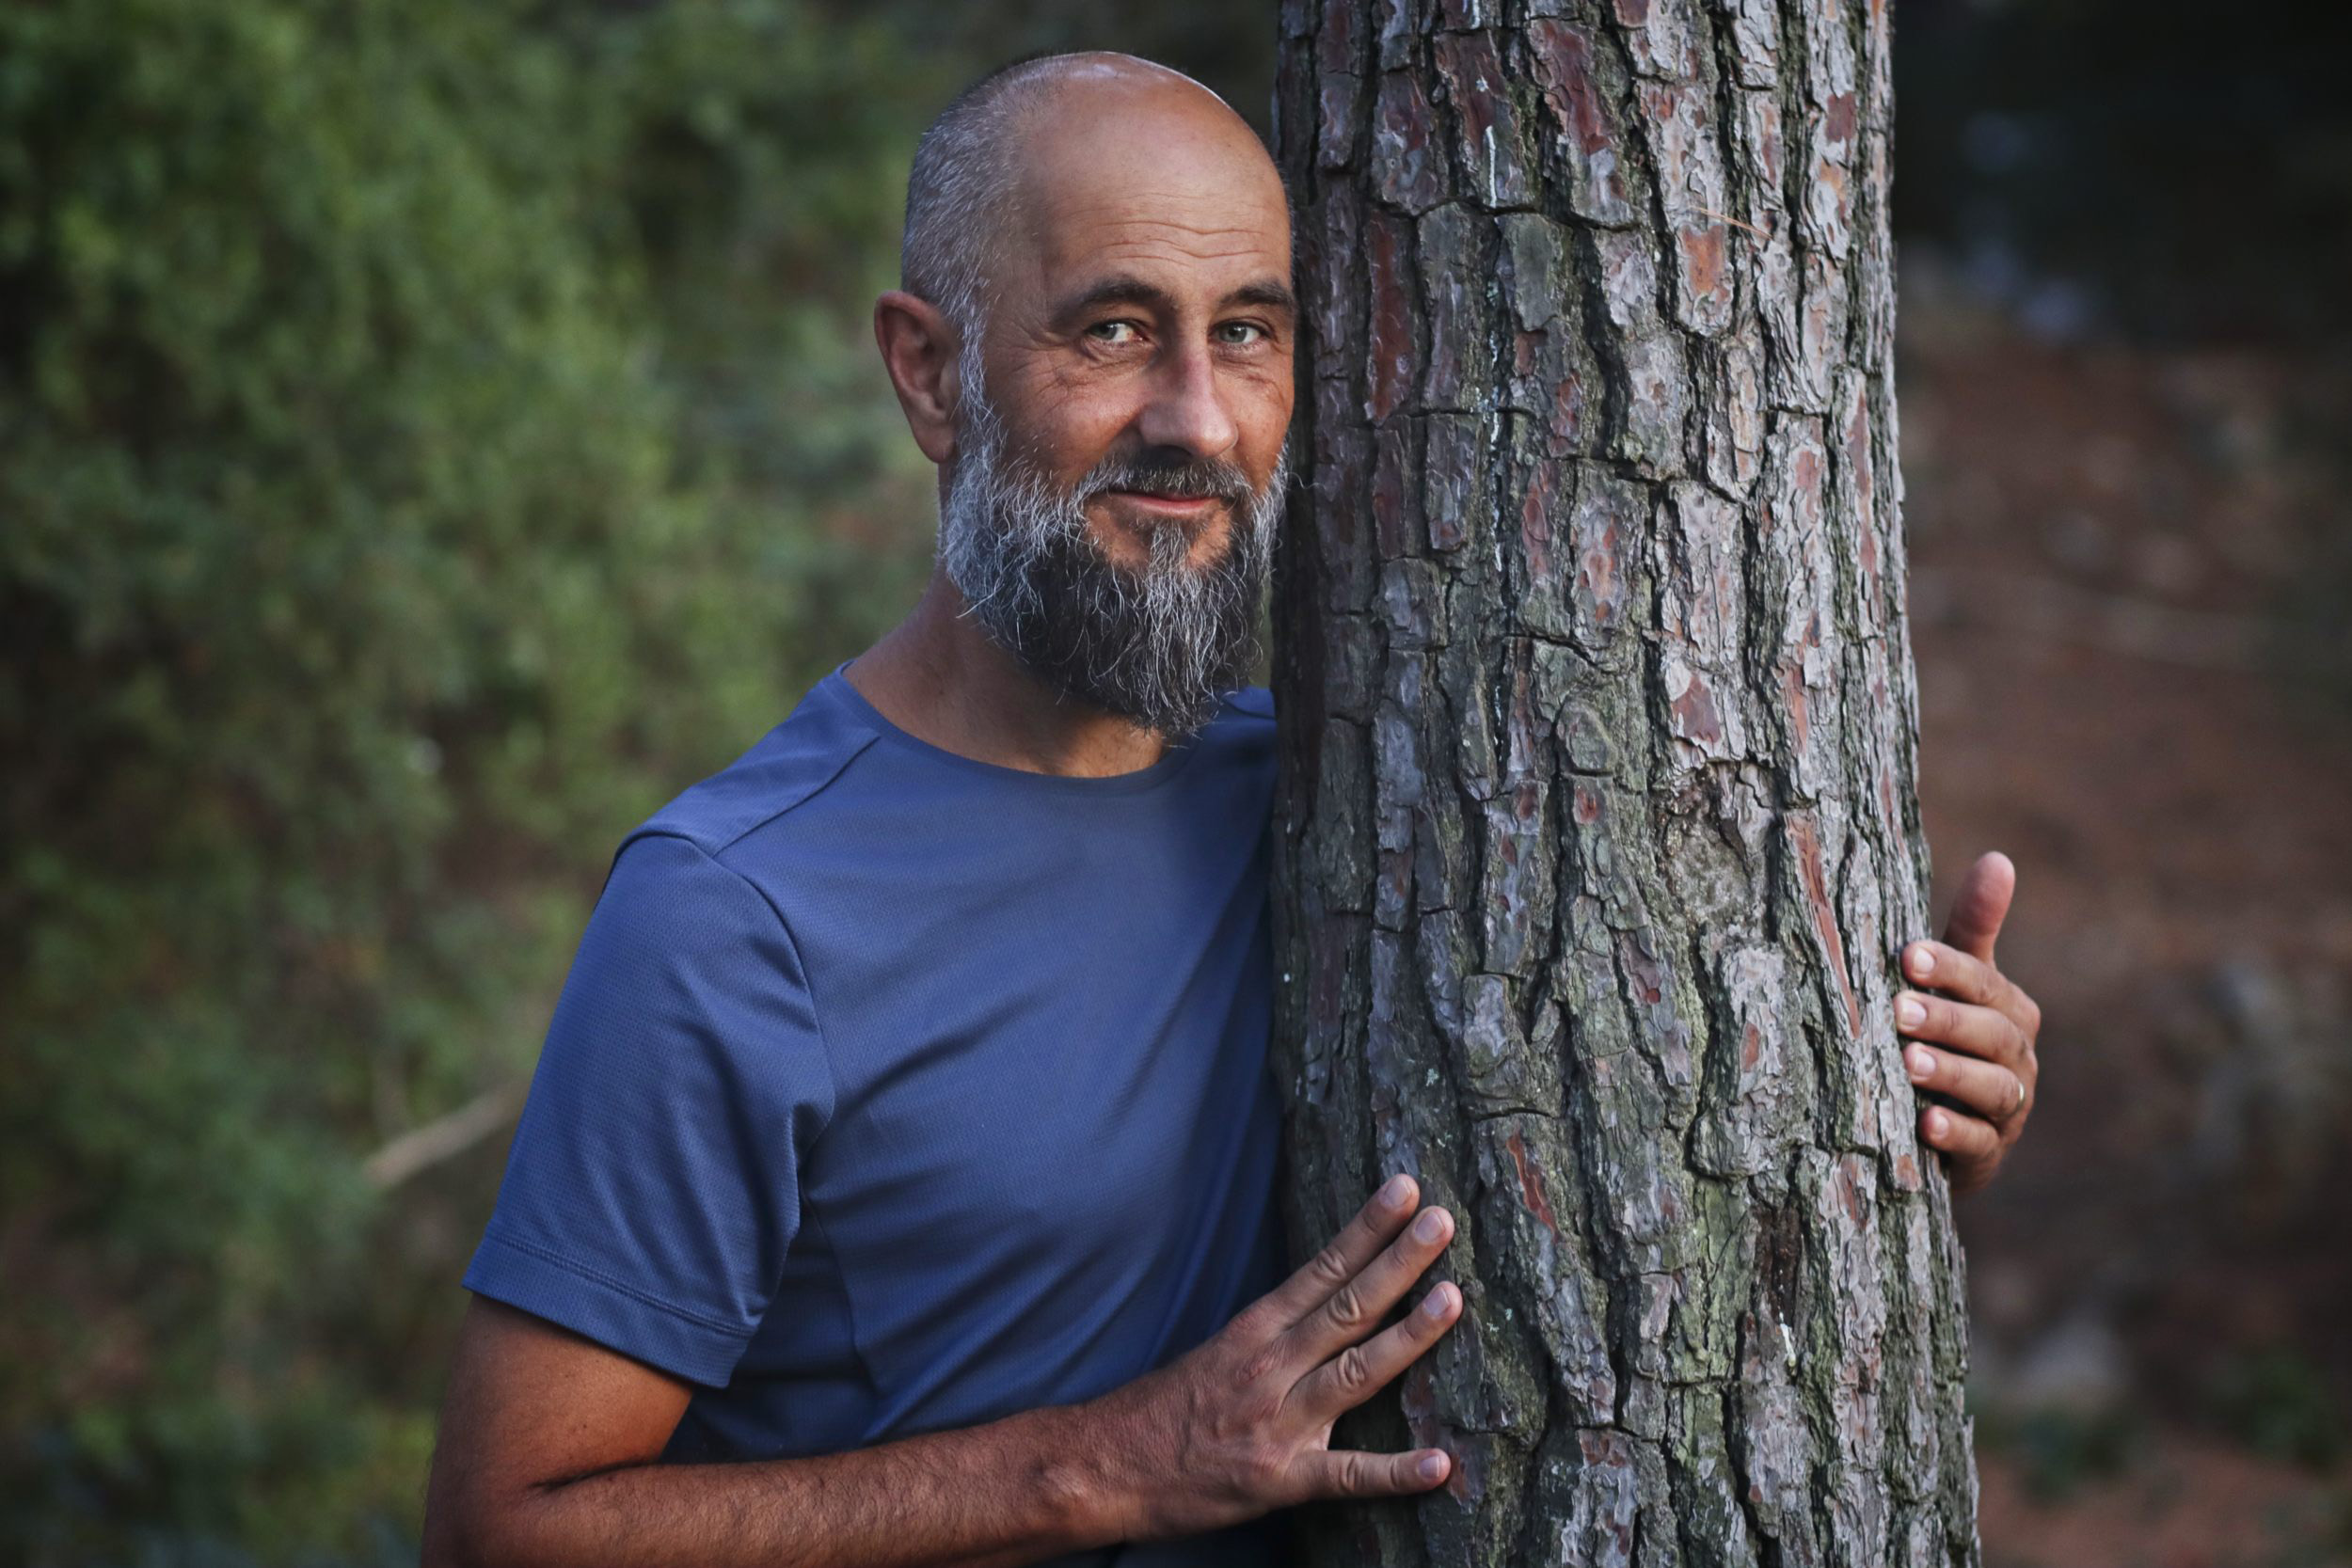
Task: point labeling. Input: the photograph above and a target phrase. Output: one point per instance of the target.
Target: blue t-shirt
(893, 1091)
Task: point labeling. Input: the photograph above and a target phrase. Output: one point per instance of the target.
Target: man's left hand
(1984, 1029)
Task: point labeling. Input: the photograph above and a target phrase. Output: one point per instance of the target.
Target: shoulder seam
(798, 801)
(816, 1010)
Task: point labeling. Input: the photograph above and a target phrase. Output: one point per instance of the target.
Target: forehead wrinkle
(1149, 246)
(1146, 245)
(1111, 220)
(1106, 224)
(1206, 211)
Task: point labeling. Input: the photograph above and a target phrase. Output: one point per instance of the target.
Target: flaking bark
(1597, 835)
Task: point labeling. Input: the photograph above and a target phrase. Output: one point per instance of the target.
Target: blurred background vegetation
(433, 432)
(423, 427)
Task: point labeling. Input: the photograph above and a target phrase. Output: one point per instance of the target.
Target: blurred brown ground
(2104, 541)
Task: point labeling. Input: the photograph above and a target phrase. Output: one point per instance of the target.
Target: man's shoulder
(789, 767)
(1252, 701)
(1241, 734)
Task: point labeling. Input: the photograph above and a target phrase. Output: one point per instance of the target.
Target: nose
(1187, 408)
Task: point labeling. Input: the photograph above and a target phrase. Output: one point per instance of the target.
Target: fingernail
(1908, 1011)
(1922, 961)
(1432, 1466)
(1431, 1223)
(1935, 1124)
(1922, 1062)
(1435, 1303)
(1392, 1192)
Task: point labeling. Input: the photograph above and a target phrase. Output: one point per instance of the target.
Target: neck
(941, 678)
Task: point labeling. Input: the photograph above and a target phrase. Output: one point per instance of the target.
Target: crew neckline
(1173, 758)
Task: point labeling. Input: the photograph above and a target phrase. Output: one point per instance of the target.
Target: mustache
(1204, 478)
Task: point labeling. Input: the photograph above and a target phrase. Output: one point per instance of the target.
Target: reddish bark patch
(1598, 588)
(1467, 1483)
(1806, 471)
(1838, 124)
(1535, 522)
(1567, 414)
(1642, 967)
(1336, 42)
(1703, 261)
(1848, 1191)
(1865, 487)
(1696, 715)
(1807, 844)
(1390, 354)
(1800, 716)
(1564, 68)
(1531, 1184)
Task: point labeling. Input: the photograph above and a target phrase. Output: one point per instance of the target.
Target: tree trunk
(1598, 835)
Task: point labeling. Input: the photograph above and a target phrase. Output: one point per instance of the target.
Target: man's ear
(918, 348)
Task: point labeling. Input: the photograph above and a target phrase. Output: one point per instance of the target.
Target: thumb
(1981, 905)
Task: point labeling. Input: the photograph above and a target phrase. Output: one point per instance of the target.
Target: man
(903, 1133)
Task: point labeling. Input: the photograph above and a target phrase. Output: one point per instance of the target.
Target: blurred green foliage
(2060, 1451)
(2278, 1403)
(432, 432)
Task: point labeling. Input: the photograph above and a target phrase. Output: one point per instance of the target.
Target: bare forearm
(1014, 1491)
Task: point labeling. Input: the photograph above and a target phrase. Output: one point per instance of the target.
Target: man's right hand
(550, 1443)
(1241, 1425)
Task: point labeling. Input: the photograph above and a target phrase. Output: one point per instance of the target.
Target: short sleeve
(653, 1187)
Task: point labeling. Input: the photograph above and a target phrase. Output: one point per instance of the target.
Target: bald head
(1020, 157)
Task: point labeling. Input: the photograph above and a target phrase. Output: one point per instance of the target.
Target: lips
(1178, 505)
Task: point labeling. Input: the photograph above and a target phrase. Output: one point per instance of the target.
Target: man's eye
(1118, 333)
(1251, 332)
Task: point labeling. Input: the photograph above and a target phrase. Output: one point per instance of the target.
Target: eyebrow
(1125, 289)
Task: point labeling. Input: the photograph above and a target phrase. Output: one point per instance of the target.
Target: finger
(1995, 1092)
(1970, 978)
(1359, 1371)
(1354, 1473)
(1963, 1025)
(1341, 1258)
(1981, 904)
(1351, 1311)
(1971, 1141)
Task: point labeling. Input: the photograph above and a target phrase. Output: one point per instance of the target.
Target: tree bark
(1597, 835)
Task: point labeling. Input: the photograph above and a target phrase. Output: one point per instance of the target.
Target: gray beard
(1159, 645)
